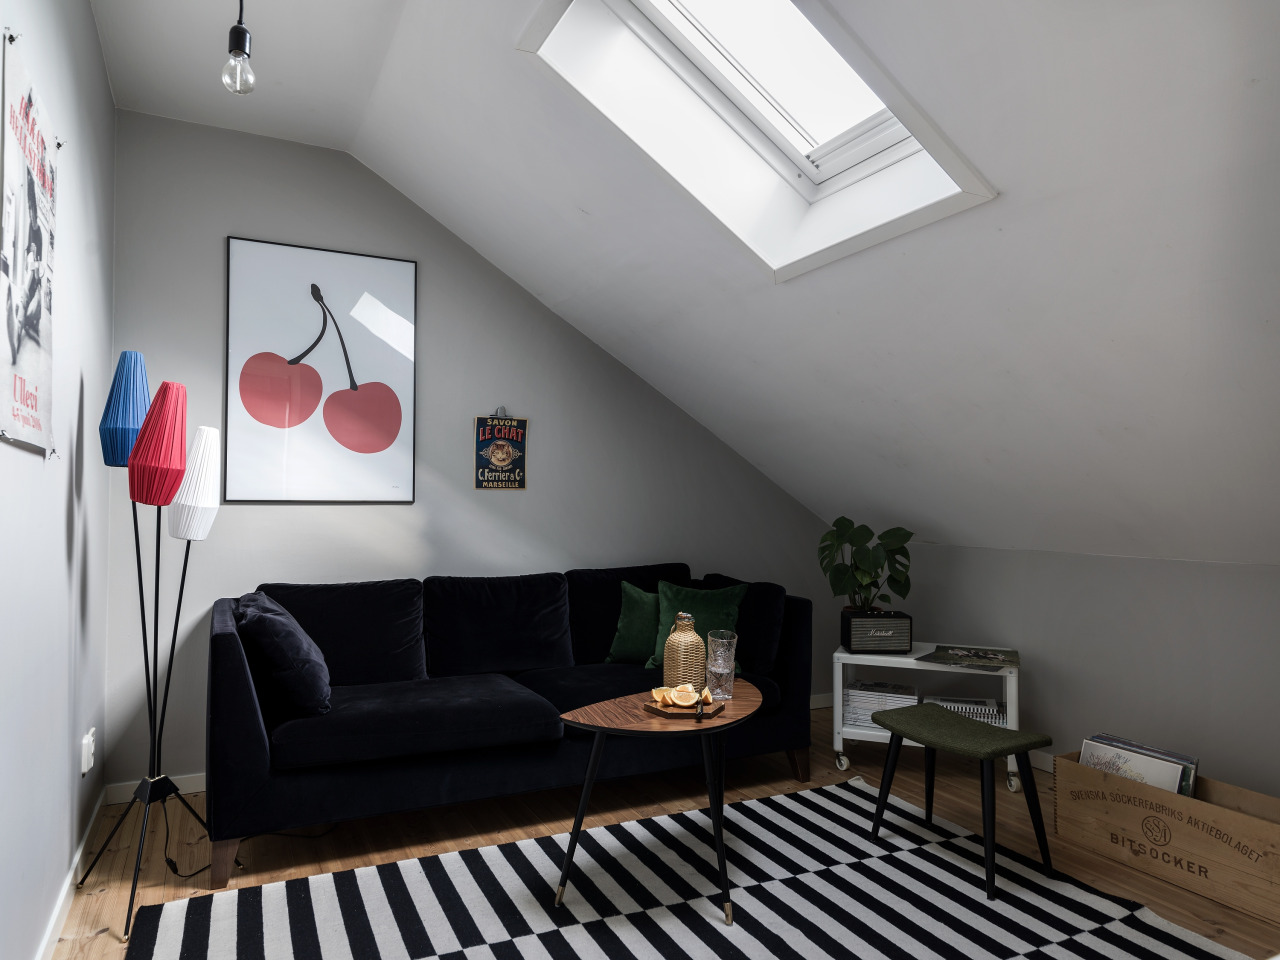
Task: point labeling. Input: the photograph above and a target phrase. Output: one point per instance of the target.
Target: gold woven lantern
(684, 656)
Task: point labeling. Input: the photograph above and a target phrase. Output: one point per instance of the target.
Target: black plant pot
(875, 631)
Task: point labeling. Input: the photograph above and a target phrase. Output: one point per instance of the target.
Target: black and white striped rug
(808, 882)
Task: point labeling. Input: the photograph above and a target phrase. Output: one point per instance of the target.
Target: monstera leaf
(861, 566)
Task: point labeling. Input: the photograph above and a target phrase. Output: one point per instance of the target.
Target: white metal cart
(844, 668)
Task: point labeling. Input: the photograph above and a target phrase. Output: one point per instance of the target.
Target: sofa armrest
(793, 668)
(237, 750)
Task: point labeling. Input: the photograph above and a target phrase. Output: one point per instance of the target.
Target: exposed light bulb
(237, 75)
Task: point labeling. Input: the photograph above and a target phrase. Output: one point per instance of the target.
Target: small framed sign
(500, 452)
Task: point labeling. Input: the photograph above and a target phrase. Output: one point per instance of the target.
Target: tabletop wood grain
(626, 715)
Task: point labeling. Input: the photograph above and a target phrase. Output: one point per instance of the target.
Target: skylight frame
(848, 156)
(790, 225)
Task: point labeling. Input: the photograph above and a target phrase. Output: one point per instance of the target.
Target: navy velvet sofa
(451, 689)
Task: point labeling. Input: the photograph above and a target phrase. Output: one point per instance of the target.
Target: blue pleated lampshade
(126, 408)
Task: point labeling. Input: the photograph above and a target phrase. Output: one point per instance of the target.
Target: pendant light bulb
(237, 75)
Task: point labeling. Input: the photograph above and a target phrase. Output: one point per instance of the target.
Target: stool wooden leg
(886, 780)
(989, 824)
(1033, 807)
(930, 758)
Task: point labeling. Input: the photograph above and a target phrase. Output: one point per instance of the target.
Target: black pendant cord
(142, 609)
(168, 676)
(241, 20)
(153, 767)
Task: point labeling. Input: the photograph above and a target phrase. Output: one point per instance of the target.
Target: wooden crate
(1224, 844)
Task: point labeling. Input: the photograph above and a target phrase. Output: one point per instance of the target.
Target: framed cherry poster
(320, 375)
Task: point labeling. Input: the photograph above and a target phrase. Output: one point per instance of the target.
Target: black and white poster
(27, 154)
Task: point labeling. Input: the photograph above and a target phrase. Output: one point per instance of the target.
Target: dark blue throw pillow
(284, 651)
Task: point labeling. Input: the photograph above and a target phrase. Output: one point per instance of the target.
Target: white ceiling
(1087, 363)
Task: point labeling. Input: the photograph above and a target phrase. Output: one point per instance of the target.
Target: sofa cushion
(412, 717)
(759, 621)
(569, 688)
(496, 624)
(637, 623)
(283, 657)
(369, 632)
(595, 602)
(711, 610)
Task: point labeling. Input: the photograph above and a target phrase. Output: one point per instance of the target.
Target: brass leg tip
(559, 896)
(728, 914)
(80, 885)
(125, 938)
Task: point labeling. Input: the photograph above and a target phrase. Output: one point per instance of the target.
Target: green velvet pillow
(633, 641)
(710, 609)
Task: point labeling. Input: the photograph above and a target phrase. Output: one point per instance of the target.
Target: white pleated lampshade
(196, 503)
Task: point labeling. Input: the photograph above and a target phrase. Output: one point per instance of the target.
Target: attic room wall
(1176, 653)
(618, 474)
(53, 522)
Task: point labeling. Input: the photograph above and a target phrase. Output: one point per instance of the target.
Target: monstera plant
(861, 566)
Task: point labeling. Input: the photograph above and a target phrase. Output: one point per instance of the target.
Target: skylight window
(769, 112)
(787, 80)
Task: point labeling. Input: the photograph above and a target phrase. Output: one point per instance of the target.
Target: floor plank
(94, 925)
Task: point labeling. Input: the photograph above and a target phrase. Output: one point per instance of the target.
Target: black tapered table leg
(597, 748)
(106, 843)
(886, 781)
(1033, 807)
(137, 866)
(713, 761)
(930, 761)
(989, 824)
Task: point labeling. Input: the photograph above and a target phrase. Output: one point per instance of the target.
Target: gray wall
(619, 474)
(53, 524)
(1175, 653)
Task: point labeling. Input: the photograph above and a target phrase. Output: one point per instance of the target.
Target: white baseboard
(187, 783)
(819, 700)
(63, 907)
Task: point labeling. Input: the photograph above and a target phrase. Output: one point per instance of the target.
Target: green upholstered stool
(936, 728)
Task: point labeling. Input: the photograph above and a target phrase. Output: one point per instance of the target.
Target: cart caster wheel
(842, 762)
(1013, 783)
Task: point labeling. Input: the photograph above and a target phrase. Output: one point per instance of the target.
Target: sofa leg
(799, 760)
(224, 855)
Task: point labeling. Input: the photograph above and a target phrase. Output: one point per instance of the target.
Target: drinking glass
(720, 649)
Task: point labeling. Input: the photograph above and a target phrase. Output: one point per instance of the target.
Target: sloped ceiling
(1087, 363)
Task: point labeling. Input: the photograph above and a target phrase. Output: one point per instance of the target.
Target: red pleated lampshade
(159, 457)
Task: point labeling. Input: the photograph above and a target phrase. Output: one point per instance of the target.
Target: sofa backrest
(369, 632)
(595, 602)
(496, 624)
(759, 620)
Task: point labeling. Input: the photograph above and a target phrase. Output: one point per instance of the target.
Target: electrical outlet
(86, 751)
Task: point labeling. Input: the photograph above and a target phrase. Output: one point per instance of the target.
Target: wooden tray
(685, 713)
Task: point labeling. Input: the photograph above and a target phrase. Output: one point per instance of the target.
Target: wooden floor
(96, 920)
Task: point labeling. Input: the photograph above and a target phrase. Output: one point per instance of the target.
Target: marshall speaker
(887, 631)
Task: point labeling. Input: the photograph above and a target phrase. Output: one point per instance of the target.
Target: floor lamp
(158, 476)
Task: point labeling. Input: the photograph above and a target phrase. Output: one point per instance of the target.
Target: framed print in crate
(320, 375)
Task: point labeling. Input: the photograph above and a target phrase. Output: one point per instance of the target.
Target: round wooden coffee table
(626, 717)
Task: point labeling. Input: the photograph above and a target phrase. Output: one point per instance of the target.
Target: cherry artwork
(364, 418)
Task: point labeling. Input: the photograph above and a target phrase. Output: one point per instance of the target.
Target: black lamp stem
(155, 650)
(142, 609)
(173, 645)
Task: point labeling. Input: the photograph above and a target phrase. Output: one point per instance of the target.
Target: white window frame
(737, 173)
(860, 152)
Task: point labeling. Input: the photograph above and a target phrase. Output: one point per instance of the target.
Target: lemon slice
(706, 695)
(666, 696)
(657, 693)
(684, 698)
(685, 688)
